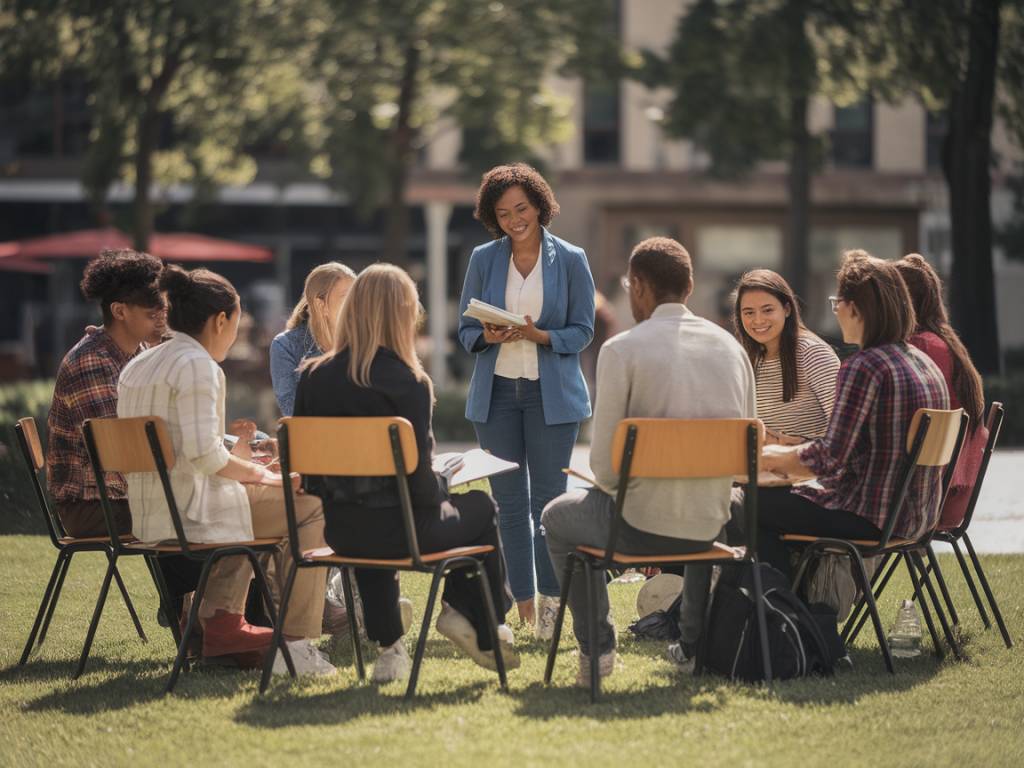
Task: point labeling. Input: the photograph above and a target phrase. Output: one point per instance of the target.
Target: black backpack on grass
(803, 640)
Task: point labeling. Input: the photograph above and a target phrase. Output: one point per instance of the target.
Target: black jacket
(371, 503)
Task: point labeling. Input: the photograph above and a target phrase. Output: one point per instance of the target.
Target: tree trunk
(401, 159)
(142, 207)
(966, 163)
(798, 182)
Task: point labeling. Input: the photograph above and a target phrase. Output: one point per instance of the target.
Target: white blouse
(179, 382)
(524, 296)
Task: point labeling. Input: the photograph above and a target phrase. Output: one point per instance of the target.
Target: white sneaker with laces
(308, 660)
(458, 629)
(547, 613)
(392, 664)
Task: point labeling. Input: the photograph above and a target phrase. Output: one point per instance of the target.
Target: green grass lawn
(927, 714)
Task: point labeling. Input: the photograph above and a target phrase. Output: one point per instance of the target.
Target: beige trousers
(229, 579)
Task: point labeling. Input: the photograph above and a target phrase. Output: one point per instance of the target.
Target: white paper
(488, 313)
(476, 465)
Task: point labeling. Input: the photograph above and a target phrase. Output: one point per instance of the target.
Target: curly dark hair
(499, 179)
(125, 276)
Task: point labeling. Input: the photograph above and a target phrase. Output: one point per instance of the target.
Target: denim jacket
(567, 315)
(287, 351)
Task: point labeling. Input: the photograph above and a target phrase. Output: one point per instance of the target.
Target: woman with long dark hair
(856, 462)
(795, 370)
(936, 338)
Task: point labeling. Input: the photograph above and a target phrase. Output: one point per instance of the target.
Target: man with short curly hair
(124, 283)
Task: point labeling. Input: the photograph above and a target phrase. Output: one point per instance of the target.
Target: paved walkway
(998, 524)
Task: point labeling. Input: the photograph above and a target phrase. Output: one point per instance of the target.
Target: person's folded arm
(579, 328)
(471, 330)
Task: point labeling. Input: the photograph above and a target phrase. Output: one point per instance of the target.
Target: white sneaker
(605, 666)
(307, 659)
(547, 613)
(457, 628)
(684, 655)
(392, 664)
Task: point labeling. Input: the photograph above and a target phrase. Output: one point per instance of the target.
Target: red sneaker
(230, 634)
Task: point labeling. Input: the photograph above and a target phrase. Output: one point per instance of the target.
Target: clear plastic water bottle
(905, 636)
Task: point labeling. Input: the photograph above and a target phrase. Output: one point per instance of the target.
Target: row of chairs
(650, 448)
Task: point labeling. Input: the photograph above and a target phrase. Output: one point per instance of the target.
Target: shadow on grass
(117, 685)
(284, 706)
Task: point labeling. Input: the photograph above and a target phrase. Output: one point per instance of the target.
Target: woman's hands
(502, 334)
(783, 460)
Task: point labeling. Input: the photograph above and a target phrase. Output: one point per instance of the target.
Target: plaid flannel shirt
(86, 388)
(857, 461)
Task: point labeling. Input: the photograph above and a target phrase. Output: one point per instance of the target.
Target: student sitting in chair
(672, 364)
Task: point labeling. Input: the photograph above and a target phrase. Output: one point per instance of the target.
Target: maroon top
(966, 473)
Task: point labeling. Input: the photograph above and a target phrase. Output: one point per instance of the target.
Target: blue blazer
(567, 315)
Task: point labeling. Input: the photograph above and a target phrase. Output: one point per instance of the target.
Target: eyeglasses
(833, 302)
(624, 282)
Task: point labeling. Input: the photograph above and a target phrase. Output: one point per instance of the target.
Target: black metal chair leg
(877, 586)
(129, 605)
(193, 619)
(947, 630)
(164, 594)
(492, 624)
(595, 651)
(971, 585)
(988, 592)
(97, 612)
(936, 642)
(421, 642)
(353, 623)
(933, 562)
(278, 636)
(570, 565)
(44, 604)
(861, 574)
(264, 586)
(53, 602)
(762, 624)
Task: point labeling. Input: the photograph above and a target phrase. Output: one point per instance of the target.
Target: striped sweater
(807, 414)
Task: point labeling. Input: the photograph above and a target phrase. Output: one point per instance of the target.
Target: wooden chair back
(33, 447)
(334, 446)
(348, 447)
(686, 448)
(32, 453)
(123, 446)
(941, 440)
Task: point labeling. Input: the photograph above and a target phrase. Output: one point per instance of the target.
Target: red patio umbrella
(10, 262)
(87, 243)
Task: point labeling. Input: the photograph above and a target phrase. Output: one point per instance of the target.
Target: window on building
(853, 136)
(601, 130)
(936, 128)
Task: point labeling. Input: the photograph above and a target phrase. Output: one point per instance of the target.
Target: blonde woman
(372, 370)
(310, 329)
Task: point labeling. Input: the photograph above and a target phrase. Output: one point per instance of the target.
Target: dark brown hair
(499, 180)
(877, 289)
(125, 276)
(664, 265)
(772, 283)
(194, 296)
(925, 289)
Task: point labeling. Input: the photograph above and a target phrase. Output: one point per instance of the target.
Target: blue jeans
(515, 430)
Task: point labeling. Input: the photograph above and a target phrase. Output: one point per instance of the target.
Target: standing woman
(794, 369)
(310, 329)
(936, 338)
(527, 396)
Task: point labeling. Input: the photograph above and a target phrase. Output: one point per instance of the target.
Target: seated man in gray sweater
(672, 364)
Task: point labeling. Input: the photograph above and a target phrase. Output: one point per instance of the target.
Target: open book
(476, 465)
(488, 313)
